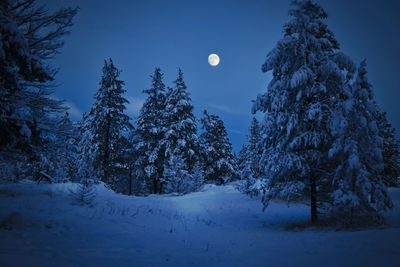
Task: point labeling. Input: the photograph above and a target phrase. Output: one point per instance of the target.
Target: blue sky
(142, 35)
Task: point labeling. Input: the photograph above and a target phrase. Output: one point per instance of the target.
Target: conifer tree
(218, 160)
(309, 74)
(255, 149)
(180, 140)
(86, 151)
(128, 157)
(151, 129)
(391, 150)
(66, 150)
(106, 125)
(241, 159)
(358, 186)
(30, 36)
(250, 170)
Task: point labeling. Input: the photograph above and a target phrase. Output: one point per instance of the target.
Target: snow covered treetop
(307, 29)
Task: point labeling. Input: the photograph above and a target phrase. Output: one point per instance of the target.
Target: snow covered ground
(40, 226)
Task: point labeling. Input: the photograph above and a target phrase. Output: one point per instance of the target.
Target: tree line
(159, 151)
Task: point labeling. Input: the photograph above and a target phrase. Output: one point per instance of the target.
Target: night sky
(142, 35)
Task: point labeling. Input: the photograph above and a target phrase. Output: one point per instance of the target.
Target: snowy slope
(215, 227)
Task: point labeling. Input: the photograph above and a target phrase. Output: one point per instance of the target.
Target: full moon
(213, 59)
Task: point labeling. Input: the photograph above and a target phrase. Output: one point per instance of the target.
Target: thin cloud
(236, 131)
(73, 111)
(134, 106)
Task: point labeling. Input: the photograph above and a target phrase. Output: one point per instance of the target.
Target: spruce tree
(86, 150)
(250, 170)
(218, 160)
(390, 152)
(255, 149)
(107, 125)
(241, 159)
(180, 140)
(358, 186)
(151, 129)
(128, 157)
(30, 37)
(65, 152)
(309, 74)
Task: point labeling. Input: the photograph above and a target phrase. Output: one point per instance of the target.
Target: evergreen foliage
(321, 132)
(357, 180)
(390, 152)
(85, 193)
(30, 36)
(218, 160)
(181, 141)
(105, 128)
(151, 130)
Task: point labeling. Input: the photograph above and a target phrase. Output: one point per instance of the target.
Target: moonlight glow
(213, 59)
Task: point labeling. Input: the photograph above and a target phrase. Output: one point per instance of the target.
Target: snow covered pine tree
(218, 160)
(357, 152)
(250, 170)
(181, 142)
(106, 126)
(64, 150)
(151, 128)
(309, 74)
(391, 150)
(29, 38)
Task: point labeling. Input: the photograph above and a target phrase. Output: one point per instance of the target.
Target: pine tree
(250, 170)
(255, 149)
(180, 139)
(128, 157)
(391, 150)
(107, 125)
(241, 159)
(65, 150)
(29, 38)
(86, 151)
(358, 187)
(151, 129)
(309, 74)
(218, 160)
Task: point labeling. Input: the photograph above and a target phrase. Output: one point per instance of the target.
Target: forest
(318, 137)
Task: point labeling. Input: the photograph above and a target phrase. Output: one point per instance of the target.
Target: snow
(218, 226)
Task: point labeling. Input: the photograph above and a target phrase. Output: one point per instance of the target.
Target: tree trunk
(130, 183)
(106, 152)
(154, 185)
(313, 192)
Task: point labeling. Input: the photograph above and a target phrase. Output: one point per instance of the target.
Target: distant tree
(358, 186)
(64, 152)
(86, 151)
(250, 156)
(128, 157)
(30, 36)
(106, 126)
(218, 160)
(255, 148)
(309, 75)
(241, 159)
(151, 129)
(181, 141)
(180, 180)
(390, 152)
